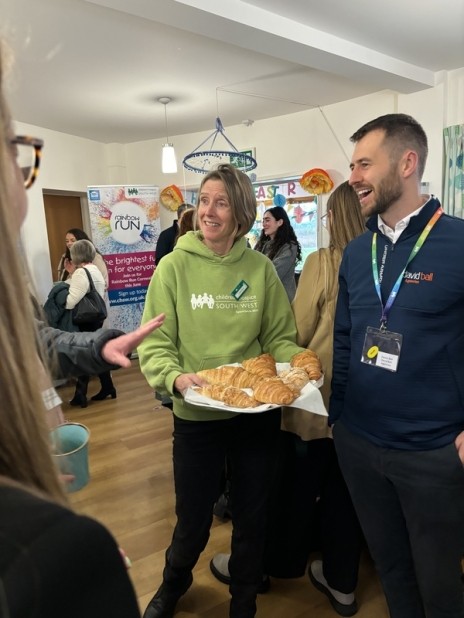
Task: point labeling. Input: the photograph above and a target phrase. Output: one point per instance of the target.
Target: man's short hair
(182, 207)
(402, 131)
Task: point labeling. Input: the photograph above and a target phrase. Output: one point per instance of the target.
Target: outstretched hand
(116, 351)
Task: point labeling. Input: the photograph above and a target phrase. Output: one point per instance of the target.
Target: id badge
(240, 289)
(382, 348)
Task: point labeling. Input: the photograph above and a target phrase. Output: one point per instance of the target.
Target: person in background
(340, 536)
(53, 562)
(65, 267)
(167, 238)
(397, 404)
(82, 257)
(309, 474)
(214, 262)
(186, 222)
(279, 243)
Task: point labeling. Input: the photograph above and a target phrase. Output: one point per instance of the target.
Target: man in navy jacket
(167, 238)
(397, 400)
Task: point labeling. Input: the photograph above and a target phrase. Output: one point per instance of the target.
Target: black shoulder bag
(91, 308)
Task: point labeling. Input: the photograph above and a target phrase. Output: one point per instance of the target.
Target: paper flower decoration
(316, 181)
(279, 199)
(171, 197)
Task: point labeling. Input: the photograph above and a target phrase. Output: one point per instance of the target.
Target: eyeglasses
(28, 153)
(324, 220)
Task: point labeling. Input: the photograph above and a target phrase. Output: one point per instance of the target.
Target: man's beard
(388, 191)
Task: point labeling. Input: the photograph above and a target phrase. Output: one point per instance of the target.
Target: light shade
(168, 159)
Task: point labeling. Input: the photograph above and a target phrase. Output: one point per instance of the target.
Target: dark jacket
(421, 405)
(76, 353)
(55, 308)
(55, 563)
(166, 241)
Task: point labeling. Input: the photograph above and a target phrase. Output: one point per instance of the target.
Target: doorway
(62, 212)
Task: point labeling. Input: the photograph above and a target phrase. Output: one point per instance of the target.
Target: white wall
(68, 163)
(285, 146)
(454, 87)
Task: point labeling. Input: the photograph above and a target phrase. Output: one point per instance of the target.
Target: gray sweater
(285, 262)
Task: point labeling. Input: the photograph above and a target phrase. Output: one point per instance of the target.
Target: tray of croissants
(260, 383)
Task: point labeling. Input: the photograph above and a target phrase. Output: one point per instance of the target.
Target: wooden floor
(131, 492)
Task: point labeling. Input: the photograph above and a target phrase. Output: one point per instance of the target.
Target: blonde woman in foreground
(53, 562)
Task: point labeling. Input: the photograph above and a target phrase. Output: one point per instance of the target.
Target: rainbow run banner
(125, 228)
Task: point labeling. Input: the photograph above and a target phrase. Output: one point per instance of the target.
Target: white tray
(309, 400)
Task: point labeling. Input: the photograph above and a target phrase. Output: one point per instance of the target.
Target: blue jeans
(249, 441)
(411, 508)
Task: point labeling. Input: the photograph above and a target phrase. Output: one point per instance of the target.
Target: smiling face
(374, 176)
(271, 224)
(215, 218)
(70, 240)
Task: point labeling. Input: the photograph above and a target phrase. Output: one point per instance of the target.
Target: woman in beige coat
(316, 296)
(317, 476)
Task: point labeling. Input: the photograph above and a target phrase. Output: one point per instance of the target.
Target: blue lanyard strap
(415, 250)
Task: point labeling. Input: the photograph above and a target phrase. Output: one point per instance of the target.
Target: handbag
(91, 308)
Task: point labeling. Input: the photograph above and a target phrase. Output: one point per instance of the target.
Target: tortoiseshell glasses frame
(28, 154)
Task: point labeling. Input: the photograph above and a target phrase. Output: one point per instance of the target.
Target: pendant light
(168, 156)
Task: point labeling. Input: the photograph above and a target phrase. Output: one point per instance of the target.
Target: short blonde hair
(241, 196)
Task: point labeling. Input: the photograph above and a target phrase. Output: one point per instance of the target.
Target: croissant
(222, 375)
(295, 378)
(230, 395)
(263, 365)
(238, 399)
(273, 390)
(246, 379)
(309, 361)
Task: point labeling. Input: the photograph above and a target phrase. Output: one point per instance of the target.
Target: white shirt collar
(394, 234)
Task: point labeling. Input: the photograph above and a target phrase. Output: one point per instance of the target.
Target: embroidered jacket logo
(202, 300)
(224, 302)
(417, 277)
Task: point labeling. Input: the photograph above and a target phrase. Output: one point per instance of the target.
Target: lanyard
(415, 250)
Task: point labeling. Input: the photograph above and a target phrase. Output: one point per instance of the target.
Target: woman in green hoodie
(224, 303)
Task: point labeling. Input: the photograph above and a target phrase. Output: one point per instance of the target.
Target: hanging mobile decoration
(201, 161)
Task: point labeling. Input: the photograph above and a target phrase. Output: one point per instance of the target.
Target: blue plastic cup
(70, 449)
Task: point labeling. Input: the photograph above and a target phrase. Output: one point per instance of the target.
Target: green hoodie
(206, 324)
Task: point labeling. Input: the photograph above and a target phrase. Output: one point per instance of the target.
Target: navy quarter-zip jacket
(421, 405)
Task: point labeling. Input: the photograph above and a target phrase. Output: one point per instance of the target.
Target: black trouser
(309, 471)
(105, 377)
(249, 441)
(82, 383)
(411, 508)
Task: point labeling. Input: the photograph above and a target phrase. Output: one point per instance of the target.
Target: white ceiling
(94, 68)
